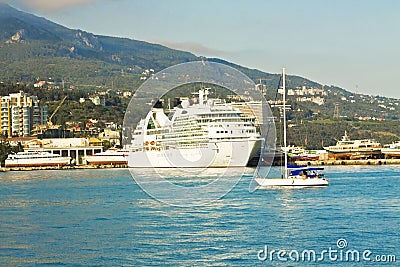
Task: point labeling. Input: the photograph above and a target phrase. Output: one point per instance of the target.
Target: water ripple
(102, 218)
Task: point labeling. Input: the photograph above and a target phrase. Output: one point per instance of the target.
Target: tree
(6, 149)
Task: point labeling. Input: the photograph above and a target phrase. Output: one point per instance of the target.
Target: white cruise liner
(36, 159)
(208, 133)
(112, 156)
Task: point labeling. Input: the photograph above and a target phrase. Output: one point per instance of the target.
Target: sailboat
(292, 176)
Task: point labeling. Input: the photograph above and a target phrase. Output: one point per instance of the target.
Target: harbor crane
(49, 122)
(49, 125)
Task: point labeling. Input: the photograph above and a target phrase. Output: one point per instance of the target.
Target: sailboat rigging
(292, 176)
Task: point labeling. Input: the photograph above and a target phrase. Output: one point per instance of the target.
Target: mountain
(28, 40)
(35, 49)
(50, 50)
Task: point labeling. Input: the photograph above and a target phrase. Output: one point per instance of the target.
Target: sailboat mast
(284, 123)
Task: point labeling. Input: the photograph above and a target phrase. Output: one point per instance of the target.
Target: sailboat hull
(291, 182)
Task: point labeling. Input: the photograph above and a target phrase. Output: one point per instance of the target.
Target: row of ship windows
(187, 145)
(225, 120)
(41, 157)
(242, 131)
(228, 125)
(172, 131)
(219, 115)
(355, 147)
(183, 123)
(181, 137)
(184, 139)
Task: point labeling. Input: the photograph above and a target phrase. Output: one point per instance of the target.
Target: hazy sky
(354, 44)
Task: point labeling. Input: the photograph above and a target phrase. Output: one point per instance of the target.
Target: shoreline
(78, 167)
(371, 162)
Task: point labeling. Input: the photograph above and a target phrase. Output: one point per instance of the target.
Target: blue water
(102, 218)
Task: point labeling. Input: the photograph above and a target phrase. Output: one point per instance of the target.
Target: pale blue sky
(352, 44)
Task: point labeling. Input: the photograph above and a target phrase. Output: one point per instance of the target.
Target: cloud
(50, 5)
(195, 48)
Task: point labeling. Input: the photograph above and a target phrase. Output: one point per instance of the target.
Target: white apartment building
(19, 113)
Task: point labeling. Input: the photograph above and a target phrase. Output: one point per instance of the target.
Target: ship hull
(354, 154)
(391, 153)
(111, 162)
(291, 182)
(106, 160)
(216, 155)
(305, 158)
(36, 163)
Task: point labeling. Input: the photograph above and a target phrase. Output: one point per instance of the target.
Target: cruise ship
(208, 133)
(35, 159)
(112, 156)
(354, 149)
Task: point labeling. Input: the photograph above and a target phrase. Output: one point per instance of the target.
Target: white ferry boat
(208, 133)
(354, 149)
(112, 156)
(36, 159)
(392, 150)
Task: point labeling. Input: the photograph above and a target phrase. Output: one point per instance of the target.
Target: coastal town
(199, 133)
(27, 126)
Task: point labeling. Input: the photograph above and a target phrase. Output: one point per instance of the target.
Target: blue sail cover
(296, 170)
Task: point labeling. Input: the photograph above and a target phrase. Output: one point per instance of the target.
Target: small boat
(292, 176)
(112, 156)
(392, 150)
(301, 154)
(36, 159)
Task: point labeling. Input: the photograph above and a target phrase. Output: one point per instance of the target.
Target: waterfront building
(20, 112)
(75, 148)
(112, 136)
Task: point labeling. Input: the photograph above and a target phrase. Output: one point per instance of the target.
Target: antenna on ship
(201, 96)
(262, 87)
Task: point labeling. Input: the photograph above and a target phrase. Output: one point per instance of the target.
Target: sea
(102, 217)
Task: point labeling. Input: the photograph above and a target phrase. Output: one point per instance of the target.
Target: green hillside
(80, 64)
(42, 49)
